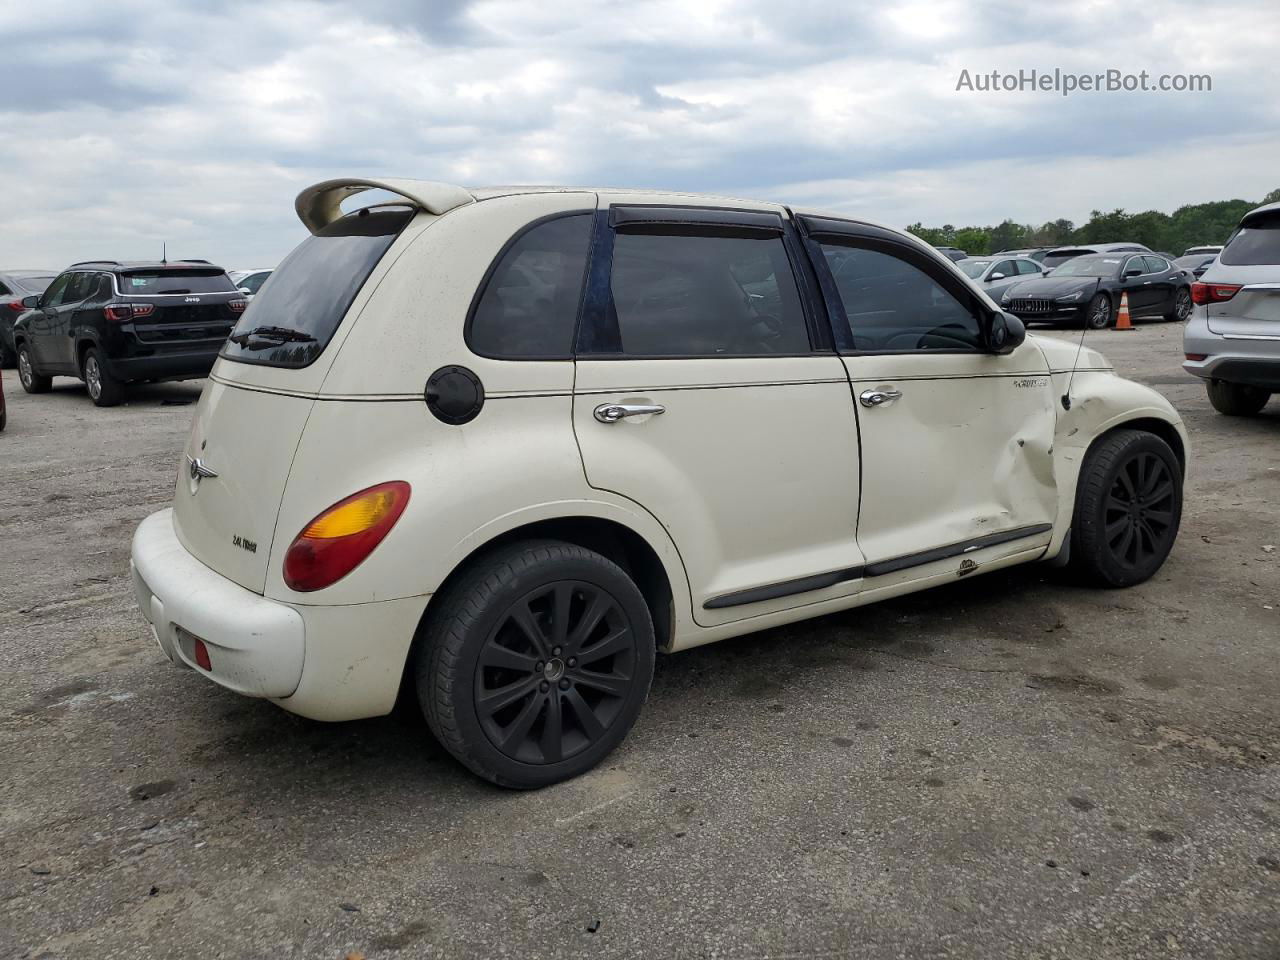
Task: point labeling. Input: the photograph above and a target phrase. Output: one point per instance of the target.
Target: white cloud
(139, 122)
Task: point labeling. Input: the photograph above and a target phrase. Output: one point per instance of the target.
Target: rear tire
(535, 662)
(1128, 509)
(31, 381)
(1236, 399)
(104, 389)
(1181, 305)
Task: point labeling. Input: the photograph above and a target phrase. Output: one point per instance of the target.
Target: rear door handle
(613, 412)
(877, 398)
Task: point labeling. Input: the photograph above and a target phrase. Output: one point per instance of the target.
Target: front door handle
(613, 412)
(877, 398)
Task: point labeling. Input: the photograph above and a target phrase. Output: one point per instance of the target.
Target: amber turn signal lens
(339, 539)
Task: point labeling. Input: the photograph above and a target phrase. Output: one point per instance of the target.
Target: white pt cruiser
(505, 444)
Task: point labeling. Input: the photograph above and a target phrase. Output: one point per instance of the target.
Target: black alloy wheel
(555, 672)
(1139, 514)
(1181, 305)
(534, 661)
(1098, 313)
(1128, 508)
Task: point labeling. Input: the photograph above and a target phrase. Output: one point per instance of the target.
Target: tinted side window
(253, 281)
(1255, 244)
(1028, 267)
(894, 305)
(705, 296)
(1156, 264)
(529, 306)
(54, 295)
(1007, 267)
(4, 291)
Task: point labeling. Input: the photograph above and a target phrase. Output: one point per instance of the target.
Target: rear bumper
(256, 646)
(1254, 361)
(164, 366)
(339, 662)
(1250, 371)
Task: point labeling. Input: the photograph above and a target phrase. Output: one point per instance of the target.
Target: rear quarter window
(1256, 244)
(293, 318)
(529, 304)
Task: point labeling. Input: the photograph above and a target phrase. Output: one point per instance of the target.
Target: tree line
(1189, 226)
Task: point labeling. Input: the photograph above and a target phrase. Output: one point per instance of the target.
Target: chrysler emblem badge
(198, 470)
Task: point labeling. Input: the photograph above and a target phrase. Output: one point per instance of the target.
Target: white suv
(1232, 340)
(505, 444)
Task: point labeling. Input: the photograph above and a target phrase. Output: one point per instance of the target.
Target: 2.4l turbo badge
(244, 543)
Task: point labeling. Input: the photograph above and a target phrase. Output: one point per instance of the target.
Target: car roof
(320, 203)
(1263, 211)
(112, 266)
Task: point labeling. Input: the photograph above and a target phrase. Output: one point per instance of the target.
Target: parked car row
(1085, 290)
(112, 323)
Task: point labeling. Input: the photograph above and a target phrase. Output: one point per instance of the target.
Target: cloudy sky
(130, 122)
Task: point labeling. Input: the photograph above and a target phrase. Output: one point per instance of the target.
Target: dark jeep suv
(112, 323)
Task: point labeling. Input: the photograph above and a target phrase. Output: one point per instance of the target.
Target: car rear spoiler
(321, 204)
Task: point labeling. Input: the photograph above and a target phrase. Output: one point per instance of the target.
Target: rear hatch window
(172, 281)
(293, 318)
(1062, 256)
(1255, 244)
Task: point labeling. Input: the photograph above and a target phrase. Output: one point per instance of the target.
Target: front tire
(1098, 314)
(1236, 399)
(104, 389)
(1128, 509)
(31, 381)
(535, 663)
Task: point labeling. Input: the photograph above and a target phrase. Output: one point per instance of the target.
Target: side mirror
(1130, 274)
(995, 276)
(1006, 333)
(246, 290)
(32, 301)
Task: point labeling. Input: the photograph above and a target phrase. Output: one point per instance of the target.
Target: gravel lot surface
(1008, 767)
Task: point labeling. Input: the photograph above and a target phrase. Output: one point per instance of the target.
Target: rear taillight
(237, 306)
(1202, 293)
(15, 305)
(338, 540)
(124, 312)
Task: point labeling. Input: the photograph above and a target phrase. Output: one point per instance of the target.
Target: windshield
(171, 280)
(292, 319)
(973, 268)
(1091, 265)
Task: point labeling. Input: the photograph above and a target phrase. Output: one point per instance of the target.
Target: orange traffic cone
(1122, 318)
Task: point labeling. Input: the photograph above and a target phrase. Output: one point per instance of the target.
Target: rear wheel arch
(609, 538)
(83, 346)
(613, 540)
